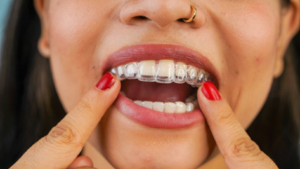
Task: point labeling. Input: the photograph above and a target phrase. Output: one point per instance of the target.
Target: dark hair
(30, 107)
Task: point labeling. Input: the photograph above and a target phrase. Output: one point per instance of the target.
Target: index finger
(237, 148)
(65, 141)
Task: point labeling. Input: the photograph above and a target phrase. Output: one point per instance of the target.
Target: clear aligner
(162, 71)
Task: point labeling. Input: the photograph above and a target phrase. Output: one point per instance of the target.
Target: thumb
(65, 141)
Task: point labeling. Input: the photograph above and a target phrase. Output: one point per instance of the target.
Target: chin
(126, 143)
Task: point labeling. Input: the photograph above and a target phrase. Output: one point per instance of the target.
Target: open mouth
(161, 85)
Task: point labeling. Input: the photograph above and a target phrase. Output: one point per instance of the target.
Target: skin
(244, 40)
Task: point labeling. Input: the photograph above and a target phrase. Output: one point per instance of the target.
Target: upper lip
(157, 52)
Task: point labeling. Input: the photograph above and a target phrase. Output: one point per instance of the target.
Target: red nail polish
(210, 91)
(106, 82)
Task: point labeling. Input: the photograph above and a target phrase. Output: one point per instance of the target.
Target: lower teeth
(170, 107)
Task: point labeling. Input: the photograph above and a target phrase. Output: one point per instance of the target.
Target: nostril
(141, 17)
(181, 20)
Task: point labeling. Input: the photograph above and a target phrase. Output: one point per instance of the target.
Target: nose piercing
(193, 16)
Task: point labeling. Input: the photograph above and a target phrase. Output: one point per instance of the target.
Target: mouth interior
(151, 91)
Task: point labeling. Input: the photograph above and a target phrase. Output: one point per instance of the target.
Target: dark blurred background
(4, 8)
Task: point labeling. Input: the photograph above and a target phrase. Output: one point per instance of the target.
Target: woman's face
(241, 45)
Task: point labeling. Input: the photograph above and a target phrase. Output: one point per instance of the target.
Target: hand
(61, 146)
(235, 145)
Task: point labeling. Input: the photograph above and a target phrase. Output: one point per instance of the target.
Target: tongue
(146, 91)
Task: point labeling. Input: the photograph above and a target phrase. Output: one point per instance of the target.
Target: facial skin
(244, 40)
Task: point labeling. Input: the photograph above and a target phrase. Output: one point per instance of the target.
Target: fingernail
(106, 82)
(210, 91)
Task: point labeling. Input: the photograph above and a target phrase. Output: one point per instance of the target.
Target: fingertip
(106, 81)
(108, 86)
(81, 162)
(202, 100)
(209, 97)
(210, 91)
(199, 92)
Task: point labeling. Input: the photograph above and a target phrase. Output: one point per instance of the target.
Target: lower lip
(157, 119)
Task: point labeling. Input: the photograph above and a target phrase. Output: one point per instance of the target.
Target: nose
(161, 12)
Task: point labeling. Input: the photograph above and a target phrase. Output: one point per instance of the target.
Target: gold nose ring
(193, 16)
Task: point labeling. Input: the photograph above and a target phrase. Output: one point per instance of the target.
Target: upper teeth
(162, 71)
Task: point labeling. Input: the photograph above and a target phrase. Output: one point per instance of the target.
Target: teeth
(190, 99)
(169, 107)
(113, 71)
(195, 103)
(131, 70)
(202, 77)
(120, 72)
(180, 72)
(192, 74)
(180, 107)
(164, 71)
(138, 102)
(190, 107)
(148, 104)
(159, 106)
(147, 70)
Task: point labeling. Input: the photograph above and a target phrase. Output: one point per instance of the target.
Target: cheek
(249, 39)
(75, 29)
(250, 33)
